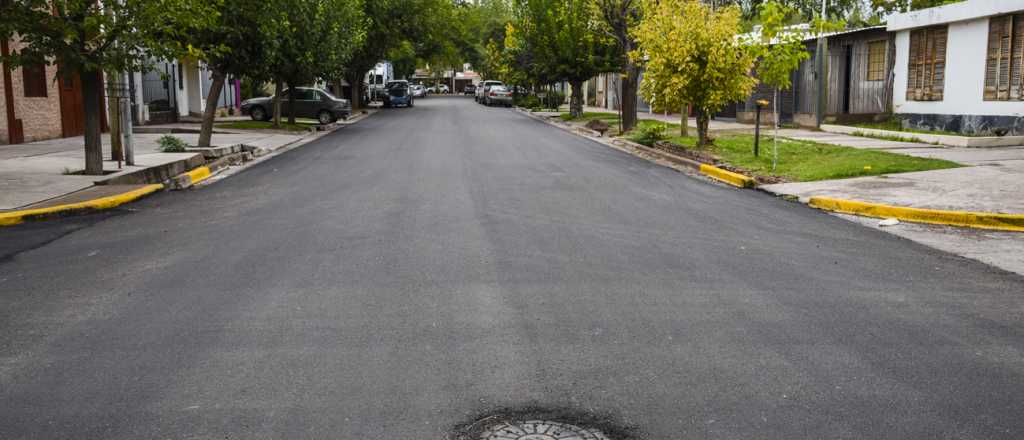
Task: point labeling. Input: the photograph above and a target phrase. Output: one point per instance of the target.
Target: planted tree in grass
(568, 44)
(236, 40)
(781, 51)
(620, 17)
(693, 56)
(87, 37)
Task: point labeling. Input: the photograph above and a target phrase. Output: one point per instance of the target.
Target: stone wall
(40, 117)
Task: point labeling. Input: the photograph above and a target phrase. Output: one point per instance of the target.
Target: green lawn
(300, 125)
(808, 161)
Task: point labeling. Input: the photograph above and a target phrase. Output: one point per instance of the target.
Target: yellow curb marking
(199, 174)
(16, 217)
(980, 220)
(734, 179)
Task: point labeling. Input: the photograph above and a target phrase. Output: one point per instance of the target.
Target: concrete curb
(735, 179)
(977, 220)
(16, 217)
(722, 175)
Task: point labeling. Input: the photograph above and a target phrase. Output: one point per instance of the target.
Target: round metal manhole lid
(540, 430)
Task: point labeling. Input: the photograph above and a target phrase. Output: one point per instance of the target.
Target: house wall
(965, 76)
(40, 117)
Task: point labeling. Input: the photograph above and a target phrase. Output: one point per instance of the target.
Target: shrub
(527, 101)
(553, 99)
(651, 133)
(171, 144)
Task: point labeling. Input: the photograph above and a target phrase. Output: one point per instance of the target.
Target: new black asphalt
(409, 274)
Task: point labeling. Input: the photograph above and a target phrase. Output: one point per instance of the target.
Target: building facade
(958, 67)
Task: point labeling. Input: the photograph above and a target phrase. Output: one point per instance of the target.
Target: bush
(553, 99)
(171, 144)
(527, 101)
(651, 133)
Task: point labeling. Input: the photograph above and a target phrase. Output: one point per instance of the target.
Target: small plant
(171, 144)
(651, 133)
(527, 101)
(553, 99)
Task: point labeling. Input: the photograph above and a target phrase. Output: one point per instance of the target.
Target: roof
(962, 11)
(809, 34)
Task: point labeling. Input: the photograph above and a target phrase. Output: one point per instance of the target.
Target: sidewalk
(37, 172)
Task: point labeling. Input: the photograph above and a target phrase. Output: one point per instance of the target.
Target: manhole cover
(539, 430)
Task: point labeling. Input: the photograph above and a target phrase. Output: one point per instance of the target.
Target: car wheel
(325, 117)
(258, 114)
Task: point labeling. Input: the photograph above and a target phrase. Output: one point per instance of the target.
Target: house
(170, 90)
(36, 105)
(958, 67)
(858, 86)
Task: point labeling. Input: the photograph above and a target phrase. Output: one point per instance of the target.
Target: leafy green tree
(908, 5)
(87, 37)
(620, 17)
(781, 52)
(233, 42)
(568, 44)
(693, 57)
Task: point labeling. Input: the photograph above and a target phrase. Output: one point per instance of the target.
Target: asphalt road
(428, 266)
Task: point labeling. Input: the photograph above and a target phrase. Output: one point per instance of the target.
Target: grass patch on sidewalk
(299, 125)
(805, 161)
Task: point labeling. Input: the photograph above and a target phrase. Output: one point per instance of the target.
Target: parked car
(418, 91)
(482, 89)
(398, 93)
(470, 89)
(309, 103)
(498, 95)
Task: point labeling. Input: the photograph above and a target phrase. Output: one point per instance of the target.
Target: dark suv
(309, 103)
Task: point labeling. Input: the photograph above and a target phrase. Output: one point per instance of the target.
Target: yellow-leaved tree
(692, 56)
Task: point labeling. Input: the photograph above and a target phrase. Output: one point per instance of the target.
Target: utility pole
(822, 67)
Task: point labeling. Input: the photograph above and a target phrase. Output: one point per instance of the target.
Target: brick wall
(40, 117)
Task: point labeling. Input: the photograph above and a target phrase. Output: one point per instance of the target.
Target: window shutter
(1017, 59)
(913, 66)
(995, 32)
(938, 64)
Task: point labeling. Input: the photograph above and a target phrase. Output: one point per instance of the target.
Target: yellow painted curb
(980, 220)
(734, 179)
(15, 217)
(199, 174)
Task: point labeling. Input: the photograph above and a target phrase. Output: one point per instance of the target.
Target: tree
(620, 17)
(908, 5)
(693, 56)
(567, 44)
(782, 51)
(236, 41)
(86, 37)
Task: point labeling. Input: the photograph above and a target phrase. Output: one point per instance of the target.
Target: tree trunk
(278, 88)
(92, 98)
(702, 128)
(627, 101)
(355, 84)
(684, 123)
(206, 131)
(576, 101)
(291, 104)
(114, 110)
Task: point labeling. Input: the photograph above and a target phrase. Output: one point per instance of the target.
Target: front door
(72, 109)
(72, 106)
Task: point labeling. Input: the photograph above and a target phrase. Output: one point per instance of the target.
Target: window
(1005, 59)
(876, 60)
(926, 72)
(34, 80)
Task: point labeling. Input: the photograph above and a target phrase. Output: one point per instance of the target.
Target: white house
(958, 67)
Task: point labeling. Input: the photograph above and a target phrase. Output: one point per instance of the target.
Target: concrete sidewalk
(36, 172)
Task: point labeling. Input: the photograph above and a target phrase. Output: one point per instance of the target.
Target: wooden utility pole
(822, 68)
